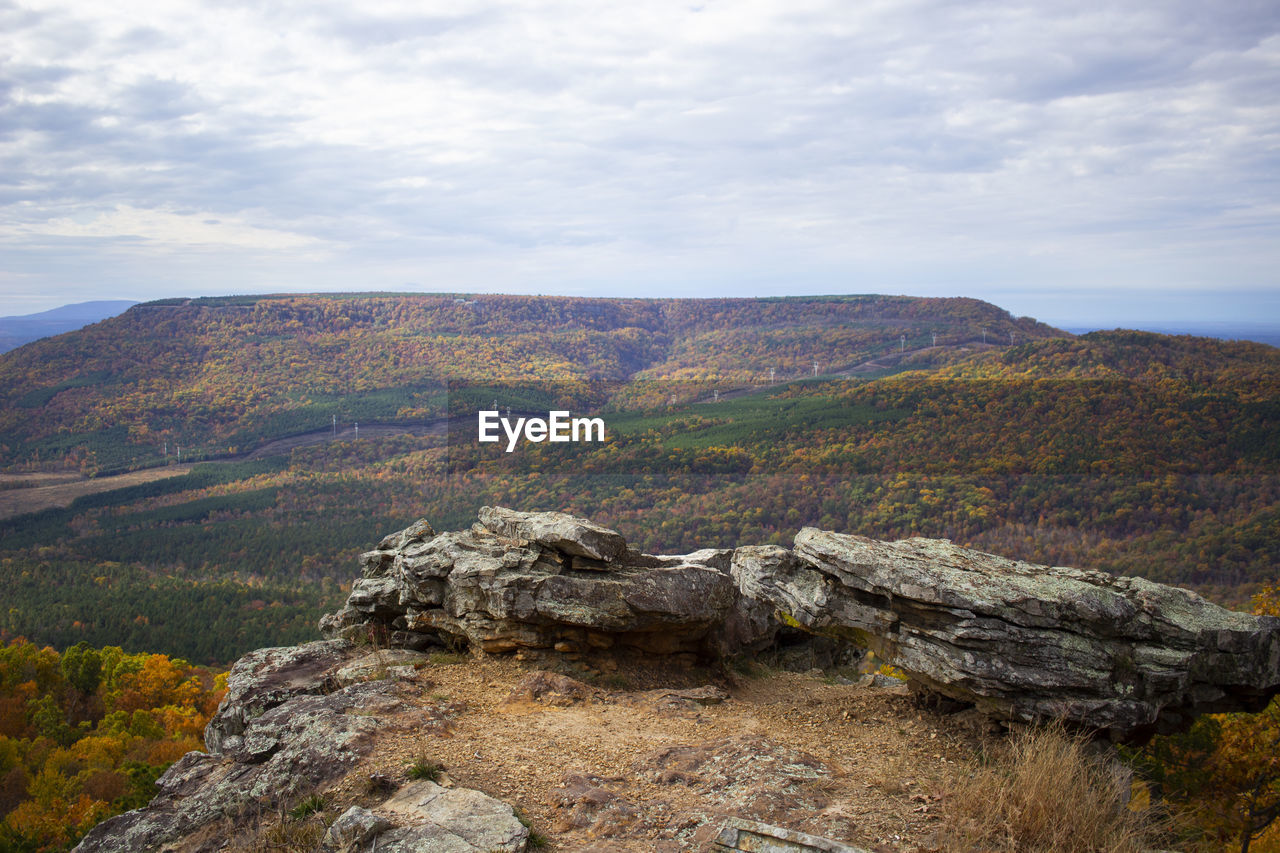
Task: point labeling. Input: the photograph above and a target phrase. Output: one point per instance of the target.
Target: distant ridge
(1263, 333)
(25, 328)
(221, 376)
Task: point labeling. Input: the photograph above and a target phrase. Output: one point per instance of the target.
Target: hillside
(223, 376)
(1128, 452)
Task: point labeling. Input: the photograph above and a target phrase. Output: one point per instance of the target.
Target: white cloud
(166, 228)
(925, 147)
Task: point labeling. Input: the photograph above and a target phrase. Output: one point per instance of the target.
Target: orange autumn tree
(85, 734)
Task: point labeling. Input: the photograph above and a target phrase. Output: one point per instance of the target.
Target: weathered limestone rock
(535, 580)
(355, 828)
(556, 530)
(300, 744)
(265, 678)
(286, 729)
(449, 819)
(1022, 641)
(385, 663)
(754, 837)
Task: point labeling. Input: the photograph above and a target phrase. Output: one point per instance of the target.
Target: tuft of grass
(536, 840)
(445, 658)
(425, 768)
(1044, 791)
(313, 804)
(291, 837)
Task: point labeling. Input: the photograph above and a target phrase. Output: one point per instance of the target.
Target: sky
(1083, 163)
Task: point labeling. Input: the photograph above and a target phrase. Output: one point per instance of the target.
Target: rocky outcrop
(1022, 641)
(546, 580)
(1019, 641)
(288, 727)
(276, 737)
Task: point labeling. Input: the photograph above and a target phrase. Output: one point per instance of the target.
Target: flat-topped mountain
(225, 375)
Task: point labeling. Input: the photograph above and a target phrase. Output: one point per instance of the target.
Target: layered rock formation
(1021, 642)
(546, 580)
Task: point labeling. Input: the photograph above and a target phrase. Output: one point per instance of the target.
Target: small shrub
(1045, 792)
(313, 804)
(891, 671)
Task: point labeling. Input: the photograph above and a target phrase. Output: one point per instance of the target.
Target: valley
(1134, 453)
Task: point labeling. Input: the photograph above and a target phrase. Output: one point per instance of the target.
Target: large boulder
(1022, 641)
(538, 580)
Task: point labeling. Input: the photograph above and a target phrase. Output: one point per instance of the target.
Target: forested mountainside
(1129, 452)
(221, 376)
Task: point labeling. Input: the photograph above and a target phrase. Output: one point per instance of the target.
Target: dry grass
(60, 492)
(1044, 791)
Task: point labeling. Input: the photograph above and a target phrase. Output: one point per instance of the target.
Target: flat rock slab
(447, 819)
(542, 580)
(566, 533)
(755, 837)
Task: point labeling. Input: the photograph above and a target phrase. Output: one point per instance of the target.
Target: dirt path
(68, 487)
(282, 446)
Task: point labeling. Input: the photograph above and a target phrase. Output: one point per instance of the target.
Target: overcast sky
(1078, 162)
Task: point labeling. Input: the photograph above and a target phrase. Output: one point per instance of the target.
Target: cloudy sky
(1086, 163)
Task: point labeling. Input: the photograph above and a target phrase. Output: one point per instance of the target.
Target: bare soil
(59, 490)
(657, 766)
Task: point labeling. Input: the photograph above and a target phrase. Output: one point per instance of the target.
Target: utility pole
(335, 426)
(770, 375)
(357, 431)
(902, 344)
(935, 339)
(984, 336)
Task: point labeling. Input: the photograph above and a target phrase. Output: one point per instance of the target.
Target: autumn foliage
(1223, 776)
(85, 734)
